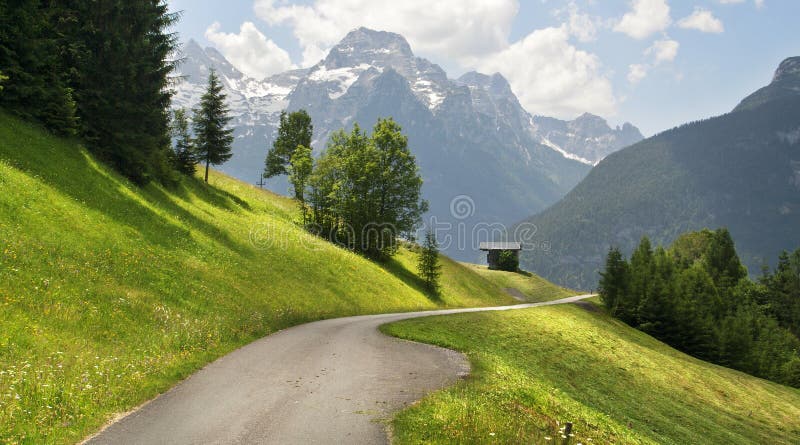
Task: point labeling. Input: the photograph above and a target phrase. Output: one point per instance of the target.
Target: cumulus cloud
(645, 18)
(250, 51)
(550, 76)
(664, 50)
(456, 29)
(661, 51)
(581, 25)
(636, 73)
(702, 20)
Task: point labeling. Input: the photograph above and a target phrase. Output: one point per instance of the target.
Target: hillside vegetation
(533, 370)
(111, 293)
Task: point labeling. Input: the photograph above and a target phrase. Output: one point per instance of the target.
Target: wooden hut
(494, 248)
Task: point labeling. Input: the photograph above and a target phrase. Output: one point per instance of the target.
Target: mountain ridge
(740, 170)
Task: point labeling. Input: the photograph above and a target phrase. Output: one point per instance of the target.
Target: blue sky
(654, 63)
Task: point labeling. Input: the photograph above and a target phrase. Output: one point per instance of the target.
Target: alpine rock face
(475, 144)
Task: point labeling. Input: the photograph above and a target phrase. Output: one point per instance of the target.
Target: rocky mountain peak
(789, 69)
(366, 46)
(496, 84)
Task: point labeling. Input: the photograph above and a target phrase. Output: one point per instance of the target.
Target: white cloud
(645, 18)
(636, 73)
(552, 77)
(702, 20)
(250, 51)
(661, 51)
(455, 29)
(664, 50)
(759, 4)
(581, 25)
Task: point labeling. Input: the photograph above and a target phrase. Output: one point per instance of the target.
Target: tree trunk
(207, 160)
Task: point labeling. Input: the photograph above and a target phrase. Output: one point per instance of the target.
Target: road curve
(330, 381)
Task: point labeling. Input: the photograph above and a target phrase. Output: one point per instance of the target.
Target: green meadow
(536, 369)
(111, 293)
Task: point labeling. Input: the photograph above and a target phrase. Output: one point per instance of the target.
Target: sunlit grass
(536, 369)
(532, 287)
(110, 293)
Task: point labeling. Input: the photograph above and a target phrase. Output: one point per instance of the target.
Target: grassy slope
(111, 293)
(536, 367)
(534, 288)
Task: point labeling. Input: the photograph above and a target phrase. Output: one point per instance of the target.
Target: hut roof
(500, 245)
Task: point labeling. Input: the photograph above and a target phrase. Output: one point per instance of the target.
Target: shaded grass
(534, 288)
(535, 369)
(110, 293)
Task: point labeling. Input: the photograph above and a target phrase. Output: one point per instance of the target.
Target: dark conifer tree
(428, 264)
(36, 81)
(185, 157)
(212, 137)
(613, 282)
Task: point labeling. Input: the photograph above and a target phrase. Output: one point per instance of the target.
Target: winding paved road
(328, 382)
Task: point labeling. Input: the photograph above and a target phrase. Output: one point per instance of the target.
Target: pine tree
(118, 54)
(185, 158)
(213, 138)
(614, 282)
(428, 263)
(295, 130)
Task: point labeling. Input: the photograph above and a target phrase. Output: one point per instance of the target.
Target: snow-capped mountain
(470, 135)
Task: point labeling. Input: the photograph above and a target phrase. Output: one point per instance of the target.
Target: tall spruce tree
(121, 55)
(428, 263)
(613, 282)
(212, 137)
(185, 157)
(295, 130)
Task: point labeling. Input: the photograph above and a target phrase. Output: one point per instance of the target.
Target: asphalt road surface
(334, 381)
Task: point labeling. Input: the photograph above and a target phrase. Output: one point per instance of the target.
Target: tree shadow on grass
(408, 277)
(68, 169)
(215, 196)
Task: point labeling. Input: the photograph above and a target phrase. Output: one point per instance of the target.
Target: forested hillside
(696, 297)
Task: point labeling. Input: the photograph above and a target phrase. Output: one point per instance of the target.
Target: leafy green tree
(295, 130)
(300, 168)
(185, 158)
(211, 118)
(428, 265)
(2, 79)
(366, 190)
(399, 182)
